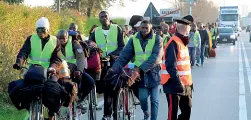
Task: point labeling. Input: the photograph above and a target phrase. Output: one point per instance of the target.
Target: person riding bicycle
(109, 38)
(74, 55)
(146, 48)
(40, 48)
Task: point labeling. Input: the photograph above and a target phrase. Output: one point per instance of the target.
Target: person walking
(177, 84)
(147, 51)
(194, 39)
(204, 41)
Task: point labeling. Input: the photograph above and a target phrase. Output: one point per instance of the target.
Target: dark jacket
(150, 69)
(26, 50)
(120, 39)
(174, 85)
(204, 37)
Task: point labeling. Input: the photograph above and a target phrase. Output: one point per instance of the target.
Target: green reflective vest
(213, 33)
(196, 38)
(69, 54)
(41, 56)
(166, 38)
(127, 39)
(110, 43)
(140, 55)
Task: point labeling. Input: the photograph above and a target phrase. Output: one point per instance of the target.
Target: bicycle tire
(76, 113)
(120, 105)
(36, 110)
(92, 105)
(132, 106)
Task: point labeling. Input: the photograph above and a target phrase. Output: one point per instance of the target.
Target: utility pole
(190, 7)
(151, 12)
(58, 5)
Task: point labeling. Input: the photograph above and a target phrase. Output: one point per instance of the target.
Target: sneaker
(197, 64)
(106, 118)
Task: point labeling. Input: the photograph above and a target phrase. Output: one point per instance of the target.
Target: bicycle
(126, 102)
(36, 109)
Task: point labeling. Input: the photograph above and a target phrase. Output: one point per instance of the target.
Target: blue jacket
(150, 69)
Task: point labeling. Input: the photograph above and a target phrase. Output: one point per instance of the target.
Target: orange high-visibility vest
(183, 63)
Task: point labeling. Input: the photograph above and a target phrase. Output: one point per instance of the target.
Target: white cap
(43, 22)
(138, 24)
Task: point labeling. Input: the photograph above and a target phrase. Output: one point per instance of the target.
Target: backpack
(22, 94)
(36, 74)
(93, 59)
(53, 94)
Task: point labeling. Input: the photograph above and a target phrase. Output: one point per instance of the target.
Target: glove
(52, 71)
(17, 66)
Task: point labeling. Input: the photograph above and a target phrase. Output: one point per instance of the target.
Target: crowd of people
(164, 54)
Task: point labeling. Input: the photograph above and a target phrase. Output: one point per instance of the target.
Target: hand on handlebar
(52, 71)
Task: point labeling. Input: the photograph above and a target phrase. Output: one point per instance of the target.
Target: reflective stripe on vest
(110, 43)
(183, 63)
(141, 56)
(69, 54)
(41, 56)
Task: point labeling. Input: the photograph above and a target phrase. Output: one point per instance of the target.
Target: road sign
(170, 12)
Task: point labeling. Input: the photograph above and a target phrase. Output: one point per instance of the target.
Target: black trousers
(178, 101)
(110, 101)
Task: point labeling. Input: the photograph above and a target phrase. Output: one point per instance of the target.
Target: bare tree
(175, 3)
(87, 7)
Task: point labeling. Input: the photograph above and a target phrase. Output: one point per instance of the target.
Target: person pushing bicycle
(146, 49)
(40, 48)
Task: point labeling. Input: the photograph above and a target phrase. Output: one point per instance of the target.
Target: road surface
(221, 88)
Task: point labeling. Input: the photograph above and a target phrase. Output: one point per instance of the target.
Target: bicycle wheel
(92, 105)
(36, 110)
(121, 105)
(131, 106)
(65, 113)
(76, 112)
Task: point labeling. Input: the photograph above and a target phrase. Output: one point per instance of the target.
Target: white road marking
(247, 65)
(241, 73)
(242, 97)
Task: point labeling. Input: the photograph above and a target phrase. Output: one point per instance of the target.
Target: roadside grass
(8, 111)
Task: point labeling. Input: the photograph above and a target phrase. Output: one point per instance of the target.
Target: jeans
(192, 51)
(154, 97)
(198, 55)
(202, 53)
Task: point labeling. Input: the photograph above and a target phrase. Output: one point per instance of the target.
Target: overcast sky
(139, 7)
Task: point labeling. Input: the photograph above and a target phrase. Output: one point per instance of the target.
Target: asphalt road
(221, 88)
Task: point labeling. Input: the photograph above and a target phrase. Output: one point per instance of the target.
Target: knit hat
(43, 22)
